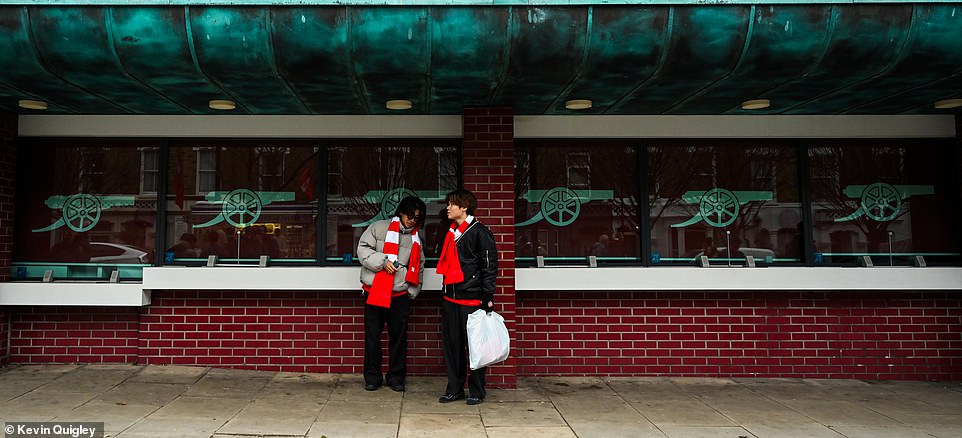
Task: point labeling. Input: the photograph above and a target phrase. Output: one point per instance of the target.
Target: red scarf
(379, 294)
(449, 265)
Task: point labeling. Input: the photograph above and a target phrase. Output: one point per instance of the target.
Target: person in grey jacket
(391, 276)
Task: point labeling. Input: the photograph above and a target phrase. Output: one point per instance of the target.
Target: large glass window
(367, 179)
(725, 200)
(575, 199)
(884, 199)
(240, 200)
(84, 208)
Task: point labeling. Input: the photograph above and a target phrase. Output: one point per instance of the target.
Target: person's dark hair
(463, 198)
(188, 237)
(409, 205)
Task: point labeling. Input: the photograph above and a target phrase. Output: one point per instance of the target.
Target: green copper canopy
(633, 58)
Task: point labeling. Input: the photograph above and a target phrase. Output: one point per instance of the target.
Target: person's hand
(488, 307)
(389, 267)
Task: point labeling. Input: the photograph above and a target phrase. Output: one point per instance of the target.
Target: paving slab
(215, 409)
(167, 427)
(681, 413)
(675, 431)
(116, 417)
(220, 385)
(154, 394)
(351, 430)
(365, 412)
(441, 426)
(37, 406)
(533, 414)
(273, 416)
(852, 431)
(838, 412)
(169, 374)
(529, 432)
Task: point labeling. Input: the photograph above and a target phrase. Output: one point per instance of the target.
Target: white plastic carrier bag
(488, 341)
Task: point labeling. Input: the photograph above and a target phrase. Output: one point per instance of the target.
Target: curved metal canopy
(627, 59)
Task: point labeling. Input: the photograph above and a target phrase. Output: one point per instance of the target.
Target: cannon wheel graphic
(241, 202)
(719, 207)
(560, 201)
(392, 199)
(881, 201)
(81, 212)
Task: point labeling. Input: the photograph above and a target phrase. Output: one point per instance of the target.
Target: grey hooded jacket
(370, 252)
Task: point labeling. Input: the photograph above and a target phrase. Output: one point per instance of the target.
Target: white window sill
(737, 278)
(73, 294)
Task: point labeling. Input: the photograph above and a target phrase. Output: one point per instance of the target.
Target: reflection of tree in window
(92, 170)
(271, 161)
(393, 164)
(447, 168)
(335, 169)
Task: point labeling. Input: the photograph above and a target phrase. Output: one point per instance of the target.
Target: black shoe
(448, 398)
(475, 400)
(371, 387)
(398, 387)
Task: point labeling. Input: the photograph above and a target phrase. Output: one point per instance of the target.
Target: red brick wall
(8, 160)
(488, 153)
(299, 331)
(864, 335)
(51, 334)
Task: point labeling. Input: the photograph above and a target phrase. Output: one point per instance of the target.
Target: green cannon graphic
(390, 199)
(242, 207)
(880, 201)
(81, 211)
(719, 207)
(560, 206)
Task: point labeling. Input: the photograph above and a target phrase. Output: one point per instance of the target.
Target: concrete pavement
(175, 401)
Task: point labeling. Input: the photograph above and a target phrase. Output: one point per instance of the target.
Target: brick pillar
(8, 161)
(488, 154)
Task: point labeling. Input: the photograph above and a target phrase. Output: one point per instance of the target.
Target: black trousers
(396, 318)
(454, 336)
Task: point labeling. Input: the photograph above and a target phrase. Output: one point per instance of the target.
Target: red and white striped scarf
(449, 265)
(383, 284)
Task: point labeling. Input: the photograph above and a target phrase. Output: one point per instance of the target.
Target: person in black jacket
(469, 265)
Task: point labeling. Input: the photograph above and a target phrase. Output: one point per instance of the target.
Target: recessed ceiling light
(948, 103)
(578, 104)
(221, 104)
(32, 104)
(398, 104)
(755, 104)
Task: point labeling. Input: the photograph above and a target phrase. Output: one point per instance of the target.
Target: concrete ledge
(256, 278)
(724, 278)
(73, 294)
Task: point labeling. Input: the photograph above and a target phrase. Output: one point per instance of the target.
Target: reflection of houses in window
(578, 167)
(335, 170)
(271, 162)
(92, 170)
(447, 168)
(206, 170)
(149, 170)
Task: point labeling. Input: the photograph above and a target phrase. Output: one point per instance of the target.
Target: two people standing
(469, 266)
